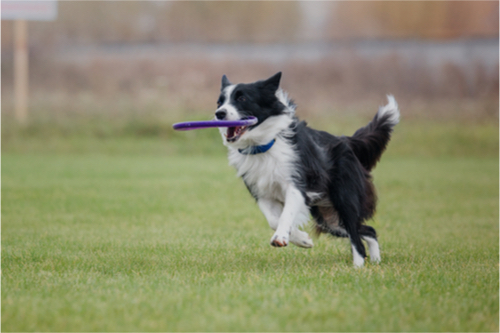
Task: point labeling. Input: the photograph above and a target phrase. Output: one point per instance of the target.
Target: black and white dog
(294, 171)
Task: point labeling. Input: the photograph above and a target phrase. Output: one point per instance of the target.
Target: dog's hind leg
(350, 221)
(272, 210)
(346, 193)
(370, 236)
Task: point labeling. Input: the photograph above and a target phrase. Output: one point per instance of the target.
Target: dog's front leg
(272, 210)
(295, 213)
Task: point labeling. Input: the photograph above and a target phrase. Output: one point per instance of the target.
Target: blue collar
(253, 150)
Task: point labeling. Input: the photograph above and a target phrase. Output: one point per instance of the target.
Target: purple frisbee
(192, 125)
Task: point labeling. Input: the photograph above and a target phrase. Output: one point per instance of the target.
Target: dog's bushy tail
(369, 142)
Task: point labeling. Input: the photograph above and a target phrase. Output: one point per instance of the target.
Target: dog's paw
(279, 240)
(375, 259)
(301, 239)
(357, 259)
(358, 263)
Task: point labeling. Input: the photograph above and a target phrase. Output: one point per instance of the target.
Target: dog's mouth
(234, 133)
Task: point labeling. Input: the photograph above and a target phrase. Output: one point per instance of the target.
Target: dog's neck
(254, 150)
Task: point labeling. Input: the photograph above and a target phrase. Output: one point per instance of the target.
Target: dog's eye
(241, 99)
(219, 103)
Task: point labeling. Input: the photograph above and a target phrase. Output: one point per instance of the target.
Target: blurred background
(107, 69)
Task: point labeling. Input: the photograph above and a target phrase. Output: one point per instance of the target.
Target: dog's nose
(221, 114)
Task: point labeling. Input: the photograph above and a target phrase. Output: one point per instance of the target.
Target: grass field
(143, 234)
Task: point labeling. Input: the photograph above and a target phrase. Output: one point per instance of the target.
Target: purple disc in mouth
(192, 125)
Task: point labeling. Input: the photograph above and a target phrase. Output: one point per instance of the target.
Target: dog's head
(263, 100)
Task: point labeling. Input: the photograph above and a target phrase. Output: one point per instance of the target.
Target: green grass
(125, 234)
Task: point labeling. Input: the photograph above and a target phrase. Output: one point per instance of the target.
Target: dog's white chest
(269, 174)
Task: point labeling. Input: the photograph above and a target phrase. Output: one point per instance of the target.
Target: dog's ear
(225, 82)
(273, 82)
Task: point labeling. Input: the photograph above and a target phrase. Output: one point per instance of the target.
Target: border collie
(294, 171)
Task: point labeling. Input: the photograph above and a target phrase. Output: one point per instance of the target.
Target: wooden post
(21, 70)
